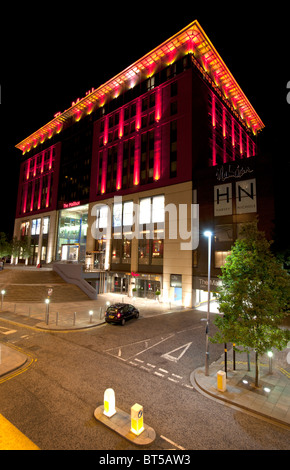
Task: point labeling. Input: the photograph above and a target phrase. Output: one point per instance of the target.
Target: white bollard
(221, 381)
(109, 402)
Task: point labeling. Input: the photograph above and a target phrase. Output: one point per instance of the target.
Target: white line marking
(145, 368)
(138, 360)
(173, 380)
(173, 358)
(150, 365)
(157, 373)
(163, 370)
(173, 443)
(177, 376)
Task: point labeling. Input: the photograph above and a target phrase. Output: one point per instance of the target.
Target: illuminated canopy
(191, 39)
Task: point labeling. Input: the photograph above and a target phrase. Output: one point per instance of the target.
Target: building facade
(116, 181)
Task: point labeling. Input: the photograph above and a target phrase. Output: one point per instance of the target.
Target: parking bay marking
(7, 332)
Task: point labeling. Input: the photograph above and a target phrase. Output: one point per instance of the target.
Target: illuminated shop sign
(67, 205)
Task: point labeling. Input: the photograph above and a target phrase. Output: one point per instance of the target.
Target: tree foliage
(255, 296)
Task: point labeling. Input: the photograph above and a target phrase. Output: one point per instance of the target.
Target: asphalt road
(148, 361)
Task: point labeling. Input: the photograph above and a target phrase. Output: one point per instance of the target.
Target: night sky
(52, 57)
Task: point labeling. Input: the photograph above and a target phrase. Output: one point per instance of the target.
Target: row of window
(229, 141)
(41, 163)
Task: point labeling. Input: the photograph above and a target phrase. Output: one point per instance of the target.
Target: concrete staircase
(23, 284)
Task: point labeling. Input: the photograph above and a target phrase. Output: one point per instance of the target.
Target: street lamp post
(208, 234)
(47, 311)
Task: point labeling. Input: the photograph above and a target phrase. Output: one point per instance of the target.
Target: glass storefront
(72, 234)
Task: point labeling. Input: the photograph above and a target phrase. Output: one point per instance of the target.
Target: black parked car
(119, 313)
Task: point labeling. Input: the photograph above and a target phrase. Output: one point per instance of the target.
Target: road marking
(173, 380)
(157, 373)
(7, 332)
(163, 370)
(13, 439)
(138, 360)
(173, 443)
(177, 376)
(174, 358)
(151, 365)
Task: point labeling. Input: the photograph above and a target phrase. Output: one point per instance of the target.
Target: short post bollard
(137, 419)
(91, 316)
(221, 381)
(74, 321)
(109, 403)
(56, 318)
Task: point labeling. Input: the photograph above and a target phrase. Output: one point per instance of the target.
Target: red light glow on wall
(136, 177)
(157, 155)
(158, 105)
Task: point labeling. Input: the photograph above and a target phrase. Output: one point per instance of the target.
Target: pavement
(271, 400)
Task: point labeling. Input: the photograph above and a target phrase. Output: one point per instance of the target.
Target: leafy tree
(5, 245)
(254, 297)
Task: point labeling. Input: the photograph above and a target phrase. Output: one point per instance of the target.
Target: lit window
(128, 213)
(45, 225)
(103, 217)
(117, 215)
(158, 209)
(220, 258)
(145, 211)
(35, 227)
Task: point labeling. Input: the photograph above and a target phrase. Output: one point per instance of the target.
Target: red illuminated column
(32, 195)
(25, 191)
(241, 141)
(157, 154)
(104, 171)
(119, 167)
(106, 130)
(48, 190)
(138, 115)
(248, 149)
(136, 177)
(224, 122)
(42, 162)
(121, 123)
(158, 105)
(39, 193)
(213, 149)
(28, 169)
(50, 158)
(213, 111)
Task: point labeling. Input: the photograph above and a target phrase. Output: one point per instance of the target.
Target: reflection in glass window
(158, 209)
(145, 211)
(128, 213)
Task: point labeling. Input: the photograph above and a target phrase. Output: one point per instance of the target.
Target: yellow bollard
(221, 381)
(137, 419)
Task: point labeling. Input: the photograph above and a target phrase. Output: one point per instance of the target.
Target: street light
(47, 311)
(3, 292)
(207, 234)
(91, 315)
(270, 355)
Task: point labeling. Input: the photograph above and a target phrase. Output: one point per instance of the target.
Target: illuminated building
(172, 128)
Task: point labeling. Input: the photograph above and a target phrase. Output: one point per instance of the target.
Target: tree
(5, 246)
(254, 297)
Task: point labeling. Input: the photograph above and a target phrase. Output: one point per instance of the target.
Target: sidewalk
(75, 315)
(271, 400)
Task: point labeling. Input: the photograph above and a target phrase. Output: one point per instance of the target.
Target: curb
(121, 424)
(217, 395)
